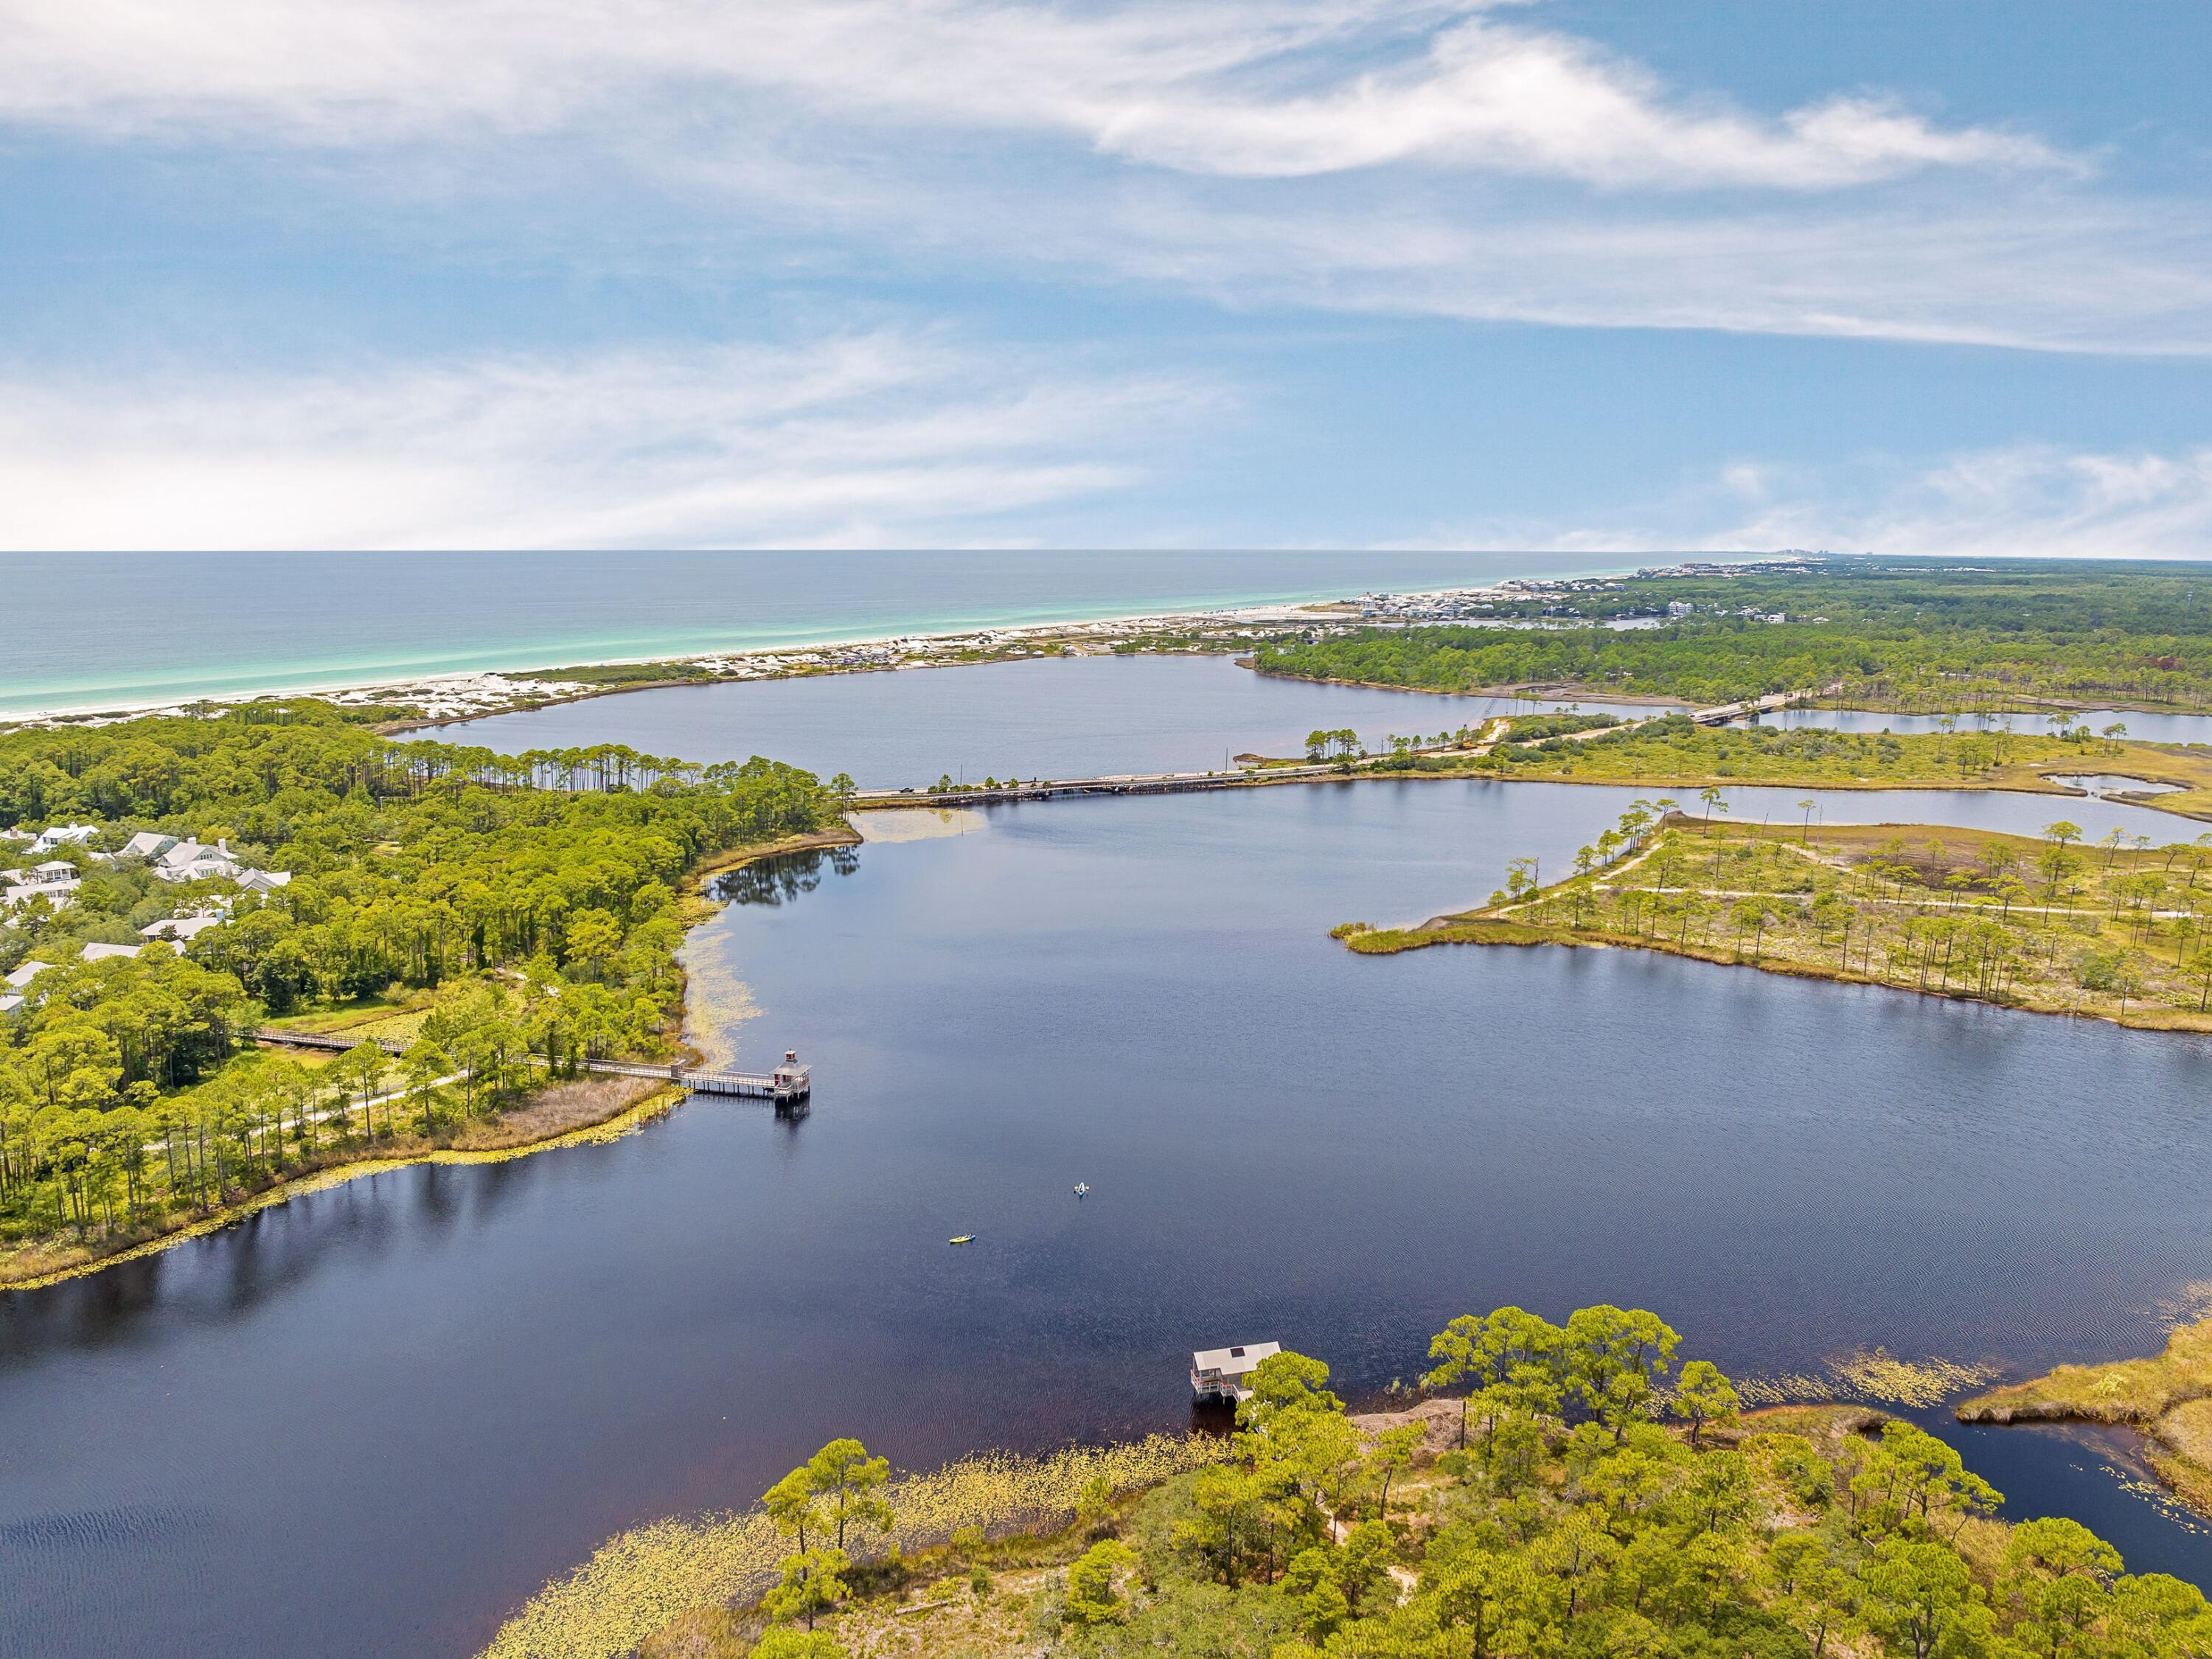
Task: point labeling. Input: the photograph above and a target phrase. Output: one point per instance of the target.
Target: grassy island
(194, 882)
(2117, 931)
(2166, 1398)
(1571, 1491)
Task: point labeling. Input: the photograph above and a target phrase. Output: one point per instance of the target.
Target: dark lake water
(385, 1412)
(1063, 719)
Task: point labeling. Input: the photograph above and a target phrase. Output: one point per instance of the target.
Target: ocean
(82, 631)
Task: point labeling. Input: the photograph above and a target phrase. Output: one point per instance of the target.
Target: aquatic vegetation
(1871, 1375)
(2166, 1397)
(640, 1580)
(1572, 1521)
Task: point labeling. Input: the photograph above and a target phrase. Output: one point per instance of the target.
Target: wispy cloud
(2035, 499)
(1438, 157)
(1262, 89)
(871, 440)
(2025, 501)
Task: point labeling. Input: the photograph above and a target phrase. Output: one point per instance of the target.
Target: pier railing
(753, 1085)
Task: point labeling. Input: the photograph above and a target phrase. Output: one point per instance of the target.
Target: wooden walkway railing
(753, 1085)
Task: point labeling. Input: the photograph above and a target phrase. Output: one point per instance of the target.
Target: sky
(1531, 274)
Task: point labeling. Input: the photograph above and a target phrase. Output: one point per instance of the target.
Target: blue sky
(1508, 273)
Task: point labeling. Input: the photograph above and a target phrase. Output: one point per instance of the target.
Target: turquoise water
(88, 631)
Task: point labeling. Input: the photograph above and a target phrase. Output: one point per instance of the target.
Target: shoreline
(1260, 777)
(516, 690)
(1534, 918)
(1495, 932)
(2163, 1400)
(624, 1117)
(1571, 692)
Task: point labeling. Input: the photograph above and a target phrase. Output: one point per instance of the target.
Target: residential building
(182, 929)
(103, 952)
(190, 861)
(148, 844)
(26, 974)
(63, 834)
(1220, 1373)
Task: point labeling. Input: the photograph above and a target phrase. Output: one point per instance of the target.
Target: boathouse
(1220, 1373)
(793, 1080)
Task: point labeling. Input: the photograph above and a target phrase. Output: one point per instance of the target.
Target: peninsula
(473, 934)
(2117, 931)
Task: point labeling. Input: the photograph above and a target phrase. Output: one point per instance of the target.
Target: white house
(53, 870)
(103, 952)
(62, 835)
(148, 844)
(182, 928)
(190, 861)
(264, 881)
(1220, 1373)
(10, 1003)
(55, 889)
(26, 974)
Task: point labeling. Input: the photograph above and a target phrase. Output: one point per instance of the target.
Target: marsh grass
(2109, 931)
(641, 1581)
(2167, 1398)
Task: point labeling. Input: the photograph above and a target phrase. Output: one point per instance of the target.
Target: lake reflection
(385, 1412)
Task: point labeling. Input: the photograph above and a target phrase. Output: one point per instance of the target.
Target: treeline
(1595, 1500)
(1910, 639)
(534, 899)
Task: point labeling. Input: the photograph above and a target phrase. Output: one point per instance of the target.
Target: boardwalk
(1174, 783)
(787, 1086)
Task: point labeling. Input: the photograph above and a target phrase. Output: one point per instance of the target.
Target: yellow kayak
(964, 1238)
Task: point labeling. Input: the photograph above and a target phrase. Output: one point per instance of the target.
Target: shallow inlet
(386, 1412)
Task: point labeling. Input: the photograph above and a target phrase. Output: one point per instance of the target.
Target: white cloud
(1436, 157)
(871, 440)
(1260, 89)
(2032, 499)
(2026, 500)
(2038, 275)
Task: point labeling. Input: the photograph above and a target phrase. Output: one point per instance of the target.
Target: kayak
(964, 1238)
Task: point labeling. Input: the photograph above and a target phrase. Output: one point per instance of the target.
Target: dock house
(792, 1080)
(1220, 1373)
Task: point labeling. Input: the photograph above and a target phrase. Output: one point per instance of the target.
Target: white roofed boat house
(1220, 1373)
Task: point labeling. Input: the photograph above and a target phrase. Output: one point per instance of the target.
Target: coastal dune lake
(372, 1420)
(1078, 717)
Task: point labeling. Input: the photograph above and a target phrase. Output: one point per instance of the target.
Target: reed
(640, 1580)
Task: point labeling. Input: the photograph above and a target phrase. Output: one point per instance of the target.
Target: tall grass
(638, 1580)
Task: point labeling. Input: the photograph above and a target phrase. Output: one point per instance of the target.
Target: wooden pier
(789, 1085)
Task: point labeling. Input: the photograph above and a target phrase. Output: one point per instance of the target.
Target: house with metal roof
(1220, 1373)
